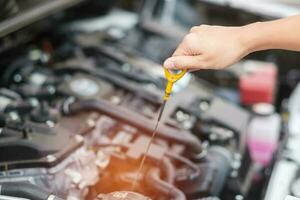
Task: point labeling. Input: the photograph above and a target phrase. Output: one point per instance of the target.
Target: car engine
(78, 107)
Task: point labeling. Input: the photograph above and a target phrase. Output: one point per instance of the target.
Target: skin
(217, 47)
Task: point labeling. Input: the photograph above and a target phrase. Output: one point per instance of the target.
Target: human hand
(209, 47)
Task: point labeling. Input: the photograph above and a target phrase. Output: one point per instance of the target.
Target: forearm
(277, 34)
(217, 47)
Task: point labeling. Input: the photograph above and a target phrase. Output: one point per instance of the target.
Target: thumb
(185, 62)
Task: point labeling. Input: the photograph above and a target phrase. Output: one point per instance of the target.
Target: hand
(209, 47)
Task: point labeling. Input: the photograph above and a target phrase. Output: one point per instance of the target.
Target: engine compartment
(78, 108)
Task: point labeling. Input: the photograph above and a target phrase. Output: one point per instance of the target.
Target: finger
(194, 29)
(198, 28)
(180, 50)
(185, 62)
(193, 70)
(185, 47)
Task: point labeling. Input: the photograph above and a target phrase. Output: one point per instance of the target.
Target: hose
(2, 197)
(169, 170)
(26, 190)
(132, 118)
(10, 94)
(153, 180)
(187, 162)
(220, 159)
(123, 59)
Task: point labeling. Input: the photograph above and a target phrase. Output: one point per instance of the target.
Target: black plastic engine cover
(37, 146)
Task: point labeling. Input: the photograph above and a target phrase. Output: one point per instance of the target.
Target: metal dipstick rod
(171, 78)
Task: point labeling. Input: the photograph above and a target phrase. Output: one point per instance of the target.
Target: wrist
(251, 40)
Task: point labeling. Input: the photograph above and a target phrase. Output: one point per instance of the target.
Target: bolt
(239, 197)
(17, 78)
(236, 164)
(234, 174)
(50, 158)
(51, 89)
(13, 116)
(115, 99)
(237, 156)
(78, 138)
(34, 102)
(91, 122)
(203, 106)
(50, 123)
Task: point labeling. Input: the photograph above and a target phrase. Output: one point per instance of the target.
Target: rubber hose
(169, 170)
(220, 159)
(153, 179)
(25, 190)
(187, 162)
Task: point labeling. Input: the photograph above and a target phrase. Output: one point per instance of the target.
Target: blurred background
(164, 23)
(81, 83)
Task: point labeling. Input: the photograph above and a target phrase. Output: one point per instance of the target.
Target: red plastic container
(258, 86)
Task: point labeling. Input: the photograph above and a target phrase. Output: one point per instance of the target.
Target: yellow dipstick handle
(172, 78)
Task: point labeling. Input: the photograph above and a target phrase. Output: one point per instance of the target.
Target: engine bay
(78, 107)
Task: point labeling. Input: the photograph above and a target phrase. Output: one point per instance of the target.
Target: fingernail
(169, 64)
